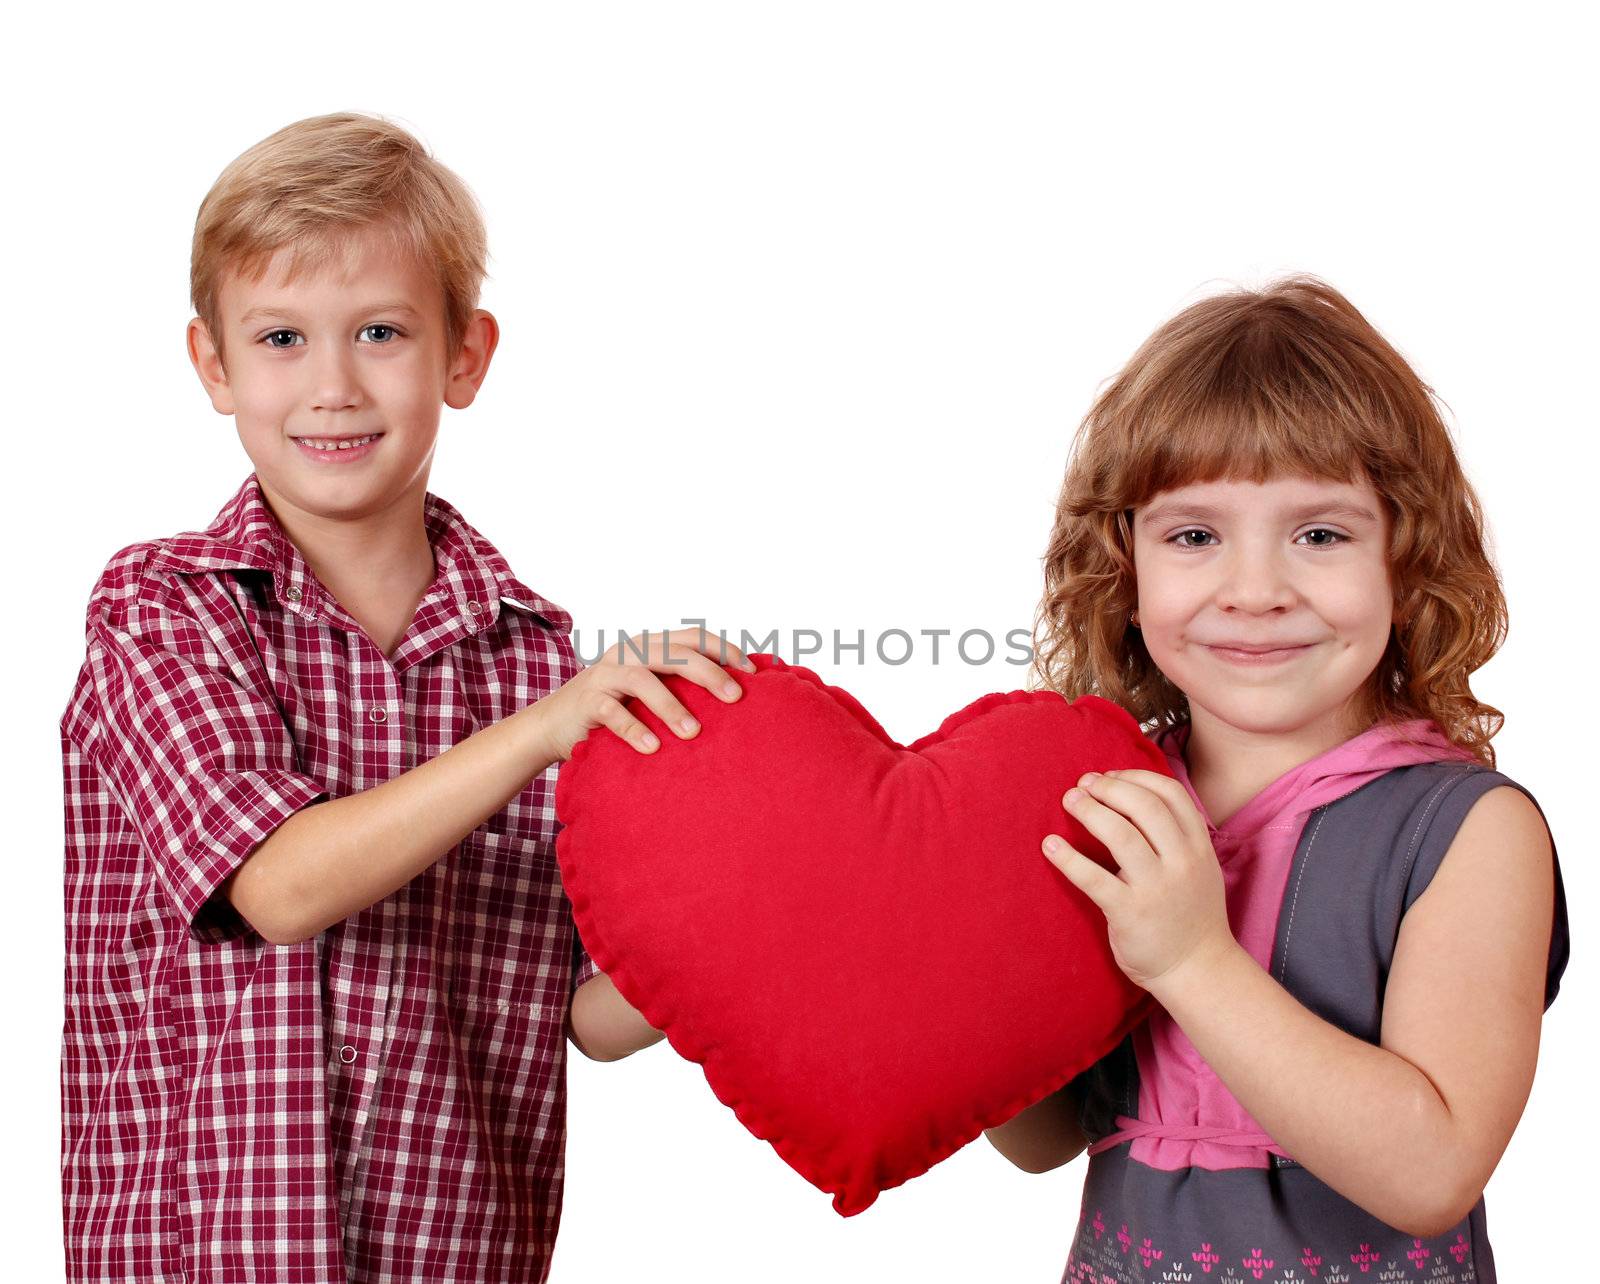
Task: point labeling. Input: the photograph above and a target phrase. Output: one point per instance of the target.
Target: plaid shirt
(385, 1100)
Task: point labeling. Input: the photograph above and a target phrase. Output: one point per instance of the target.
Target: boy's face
(356, 352)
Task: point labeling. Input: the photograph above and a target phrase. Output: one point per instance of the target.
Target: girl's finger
(1175, 796)
(1091, 878)
(1127, 845)
(1144, 808)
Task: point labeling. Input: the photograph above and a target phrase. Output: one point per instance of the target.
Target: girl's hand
(593, 698)
(1169, 905)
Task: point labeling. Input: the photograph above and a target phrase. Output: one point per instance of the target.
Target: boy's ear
(208, 365)
(465, 376)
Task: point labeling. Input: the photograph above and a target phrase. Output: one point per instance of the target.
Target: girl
(1266, 550)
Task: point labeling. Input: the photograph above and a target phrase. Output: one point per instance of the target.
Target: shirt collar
(246, 535)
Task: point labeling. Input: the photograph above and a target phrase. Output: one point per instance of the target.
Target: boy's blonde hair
(312, 184)
(1251, 385)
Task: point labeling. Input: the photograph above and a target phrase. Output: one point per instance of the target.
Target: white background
(800, 305)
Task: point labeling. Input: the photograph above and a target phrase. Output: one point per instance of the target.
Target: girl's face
(1293, 563)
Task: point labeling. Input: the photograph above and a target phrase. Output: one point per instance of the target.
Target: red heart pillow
(860, 942)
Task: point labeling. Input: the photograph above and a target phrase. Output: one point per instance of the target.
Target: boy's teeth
(318, 444)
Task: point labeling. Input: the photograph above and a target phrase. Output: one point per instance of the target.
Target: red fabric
(861, 942)
(382, 1101)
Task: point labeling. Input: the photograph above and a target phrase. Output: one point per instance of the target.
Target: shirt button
(292, 593)
(474, 607)
(377, 713)
(347, 1054)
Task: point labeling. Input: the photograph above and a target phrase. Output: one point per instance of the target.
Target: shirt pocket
(510, 943)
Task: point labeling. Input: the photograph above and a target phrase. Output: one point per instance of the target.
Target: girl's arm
(1411, 1128)
(1044, 1136)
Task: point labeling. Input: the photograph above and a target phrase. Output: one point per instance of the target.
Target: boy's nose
(335, 385)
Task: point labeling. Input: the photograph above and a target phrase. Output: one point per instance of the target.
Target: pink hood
(1179, 1096)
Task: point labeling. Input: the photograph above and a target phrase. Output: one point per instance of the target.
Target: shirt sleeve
(201, 762)
(584, 968)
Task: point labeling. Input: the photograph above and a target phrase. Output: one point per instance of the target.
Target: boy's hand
(594, 697)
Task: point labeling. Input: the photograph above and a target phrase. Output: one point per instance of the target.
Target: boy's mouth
(325, 444)
(341, 448)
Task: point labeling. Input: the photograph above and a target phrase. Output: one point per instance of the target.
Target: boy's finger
(652, 691)
(705, 672)
(724, 652)
(711, 643)
(628, 727)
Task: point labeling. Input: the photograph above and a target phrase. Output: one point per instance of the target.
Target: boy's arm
(333, 858)
(1044, 1136)
(605, 1026)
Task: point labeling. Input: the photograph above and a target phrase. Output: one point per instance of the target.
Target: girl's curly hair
(1287, 380)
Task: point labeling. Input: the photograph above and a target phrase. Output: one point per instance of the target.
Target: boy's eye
(383, 335)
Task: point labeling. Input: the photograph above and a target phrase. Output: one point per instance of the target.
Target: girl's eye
(1316, 530)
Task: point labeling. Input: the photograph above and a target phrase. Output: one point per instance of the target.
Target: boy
(320, 969)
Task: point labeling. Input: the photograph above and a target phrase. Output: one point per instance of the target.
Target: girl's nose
(1254, 581)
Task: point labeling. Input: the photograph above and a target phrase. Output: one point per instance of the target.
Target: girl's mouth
(1257, 657)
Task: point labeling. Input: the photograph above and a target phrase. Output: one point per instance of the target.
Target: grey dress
(1360, 862)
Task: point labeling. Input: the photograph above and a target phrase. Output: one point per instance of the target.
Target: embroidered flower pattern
(1130, 1258)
